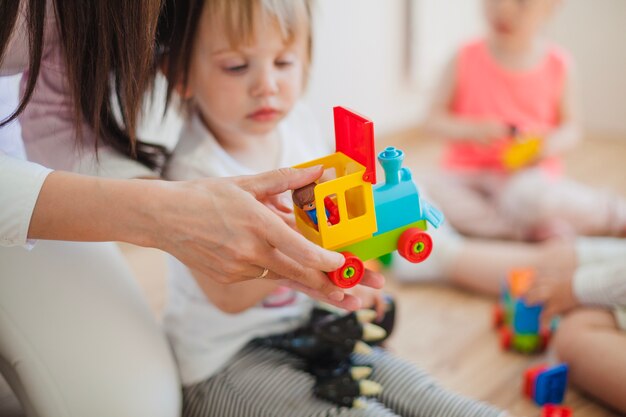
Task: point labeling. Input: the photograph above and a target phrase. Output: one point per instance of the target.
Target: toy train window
(355, 202)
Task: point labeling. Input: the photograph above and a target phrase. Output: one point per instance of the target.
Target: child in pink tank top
(510, 90)
(485, 90)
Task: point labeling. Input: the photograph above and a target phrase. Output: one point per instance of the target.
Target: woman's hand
(351, 302)
(224, 228)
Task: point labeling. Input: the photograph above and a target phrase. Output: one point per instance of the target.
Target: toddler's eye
(236, 69)
(282, 63)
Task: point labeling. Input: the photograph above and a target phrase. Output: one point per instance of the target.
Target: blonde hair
(238, 17)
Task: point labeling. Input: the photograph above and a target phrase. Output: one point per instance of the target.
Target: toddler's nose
(265, 84)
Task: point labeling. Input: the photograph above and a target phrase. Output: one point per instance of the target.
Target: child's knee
(576, 331)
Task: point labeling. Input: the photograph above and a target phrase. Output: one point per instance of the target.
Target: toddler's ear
(181, 90)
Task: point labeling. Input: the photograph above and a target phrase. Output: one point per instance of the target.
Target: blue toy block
(526, 318)
(551, 385)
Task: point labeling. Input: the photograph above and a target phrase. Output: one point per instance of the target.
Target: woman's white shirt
(20, 181)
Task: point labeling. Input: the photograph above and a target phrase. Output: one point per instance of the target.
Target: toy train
(350, 213)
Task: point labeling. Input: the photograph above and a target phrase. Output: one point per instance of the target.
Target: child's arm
(238, 297)
(599, 284)
(569, 132)
(441, 122)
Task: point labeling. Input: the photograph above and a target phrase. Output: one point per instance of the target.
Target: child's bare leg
(534, 199)
(481, 264)
(589, 211)
(469, 208)
(591, 343)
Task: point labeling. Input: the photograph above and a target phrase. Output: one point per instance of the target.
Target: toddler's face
(518, 19)
(248, 90)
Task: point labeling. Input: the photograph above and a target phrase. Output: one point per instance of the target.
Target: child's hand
(371, 298)
(555, 293)
(487, 131)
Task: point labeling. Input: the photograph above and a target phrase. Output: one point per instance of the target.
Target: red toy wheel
(350, 273)
(498, 316)
(415, 245)
(506, 338)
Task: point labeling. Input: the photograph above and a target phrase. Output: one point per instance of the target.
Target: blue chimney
(391, 161)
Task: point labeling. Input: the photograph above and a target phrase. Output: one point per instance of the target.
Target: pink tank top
(528, 100)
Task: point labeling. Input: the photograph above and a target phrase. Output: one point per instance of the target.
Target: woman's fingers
(349, 302)
(278, 181)
(281, 203)
(298, 248)
(282, 266)
(279, 235)
(373, 279)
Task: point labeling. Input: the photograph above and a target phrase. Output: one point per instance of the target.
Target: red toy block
(551, 410)
(530, 376)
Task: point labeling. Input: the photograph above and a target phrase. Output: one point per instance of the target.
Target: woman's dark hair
(110, 55)
(177, 32)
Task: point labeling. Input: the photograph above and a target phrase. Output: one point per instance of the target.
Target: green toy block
(526, 343)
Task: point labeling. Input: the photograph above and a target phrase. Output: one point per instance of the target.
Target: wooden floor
(441, 329)
(448, 332)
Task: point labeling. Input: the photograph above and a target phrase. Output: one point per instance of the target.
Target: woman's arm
(219, 227)
(82, 208)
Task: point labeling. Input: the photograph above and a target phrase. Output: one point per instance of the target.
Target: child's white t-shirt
(203, 337)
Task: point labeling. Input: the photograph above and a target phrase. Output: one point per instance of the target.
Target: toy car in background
(353, 214)
(516, 321)
(546, 384)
